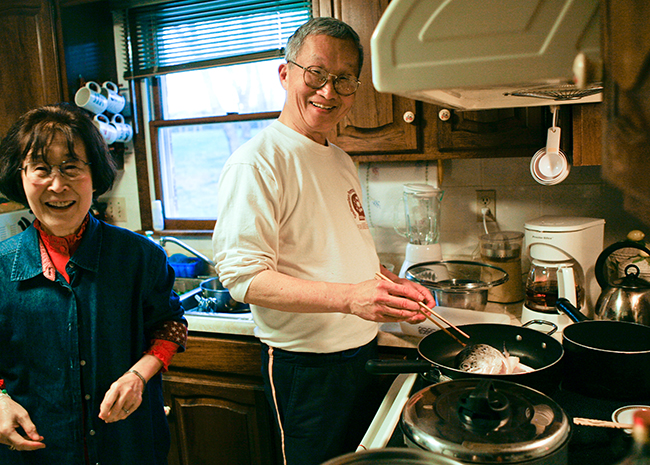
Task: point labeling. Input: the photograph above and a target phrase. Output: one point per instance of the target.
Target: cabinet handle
(444, 114)
(409, 117)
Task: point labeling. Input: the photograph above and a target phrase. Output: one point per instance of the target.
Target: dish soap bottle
(641, 433)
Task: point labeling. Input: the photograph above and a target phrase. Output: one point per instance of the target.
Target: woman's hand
(125, 395)
(12, 417)
(122, 399)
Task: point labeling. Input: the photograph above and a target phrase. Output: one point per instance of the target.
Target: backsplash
(518, 199)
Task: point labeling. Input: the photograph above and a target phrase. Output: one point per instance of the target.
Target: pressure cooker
(487, 421)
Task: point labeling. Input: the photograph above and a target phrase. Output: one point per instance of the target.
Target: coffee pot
(549, 280)
(561, 249)
(624, 298)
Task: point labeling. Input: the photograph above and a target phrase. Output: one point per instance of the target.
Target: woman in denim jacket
(88, 318)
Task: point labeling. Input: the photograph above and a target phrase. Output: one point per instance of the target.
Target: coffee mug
(90, 98)
(108, 131)
(124, 130)
(110, 92)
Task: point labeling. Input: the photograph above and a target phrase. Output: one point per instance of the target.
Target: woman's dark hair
(31, 137)
(323, 25)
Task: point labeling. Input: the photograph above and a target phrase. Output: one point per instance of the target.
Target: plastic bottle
(641, 433)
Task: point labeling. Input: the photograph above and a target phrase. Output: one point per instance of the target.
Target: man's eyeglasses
(316, 78)
(41, 172)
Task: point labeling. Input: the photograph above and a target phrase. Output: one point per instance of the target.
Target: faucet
(164, 239)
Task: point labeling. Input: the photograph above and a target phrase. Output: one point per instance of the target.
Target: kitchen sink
(189, 288)
(188, 300)
(183, 285)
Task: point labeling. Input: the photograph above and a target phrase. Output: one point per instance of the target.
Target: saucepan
(437, 351)
(217, 298)
(605, 358)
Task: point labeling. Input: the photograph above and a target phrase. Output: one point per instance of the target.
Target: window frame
(191, 227)
(148, 118)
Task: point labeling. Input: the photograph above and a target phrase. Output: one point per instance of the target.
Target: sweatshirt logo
(355, 206)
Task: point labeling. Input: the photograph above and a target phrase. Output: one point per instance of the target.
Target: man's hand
(384, 301)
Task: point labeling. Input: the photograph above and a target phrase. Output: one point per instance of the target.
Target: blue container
(186, 267)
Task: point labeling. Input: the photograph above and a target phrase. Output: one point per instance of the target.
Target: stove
(588, 445)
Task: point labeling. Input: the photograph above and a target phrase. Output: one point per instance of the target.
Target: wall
(518, 199)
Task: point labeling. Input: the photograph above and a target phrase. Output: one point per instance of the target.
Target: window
(212, 73)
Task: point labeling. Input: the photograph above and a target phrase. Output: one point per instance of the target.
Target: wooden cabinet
(385, 127)
(376, 129)
(46, 46)
(586, 143)
(488, 129)
(219, 413)
(30, 73)
(377, 122)
(626, 138)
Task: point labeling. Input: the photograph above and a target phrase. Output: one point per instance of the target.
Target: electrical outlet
(116, 210)
(486, 199)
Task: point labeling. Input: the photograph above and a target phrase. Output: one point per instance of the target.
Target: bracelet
(144, 381)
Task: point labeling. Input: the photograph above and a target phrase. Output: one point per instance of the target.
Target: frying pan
(605, 358)
(438, 351)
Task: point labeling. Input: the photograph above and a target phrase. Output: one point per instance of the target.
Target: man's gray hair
(322, 26)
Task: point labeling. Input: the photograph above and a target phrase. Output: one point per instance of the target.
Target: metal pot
(627, 298)
(605, 358)
(488, 422)
(401, 456)
(458, 283)
(217, 298)
(438, 351)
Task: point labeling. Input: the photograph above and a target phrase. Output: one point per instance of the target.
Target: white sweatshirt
(289, 204)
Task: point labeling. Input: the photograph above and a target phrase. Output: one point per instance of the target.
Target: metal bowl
(458, 283)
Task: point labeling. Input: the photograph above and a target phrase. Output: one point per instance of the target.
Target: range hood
(480, 54)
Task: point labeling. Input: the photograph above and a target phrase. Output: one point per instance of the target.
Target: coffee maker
(563, 253)
(420, 224)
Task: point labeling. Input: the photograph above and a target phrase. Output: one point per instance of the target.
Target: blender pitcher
(422, 224)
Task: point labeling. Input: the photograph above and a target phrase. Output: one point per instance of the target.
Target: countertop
(390, 334)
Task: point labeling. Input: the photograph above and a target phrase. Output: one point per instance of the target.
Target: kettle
(626, 298)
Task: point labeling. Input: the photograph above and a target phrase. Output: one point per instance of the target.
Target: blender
(563, 253)
(421, 224)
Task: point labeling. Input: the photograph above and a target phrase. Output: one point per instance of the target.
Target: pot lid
(456, 275)
(631, 281)
(485, 421)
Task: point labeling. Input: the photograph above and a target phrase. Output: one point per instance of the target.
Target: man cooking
(292, 241)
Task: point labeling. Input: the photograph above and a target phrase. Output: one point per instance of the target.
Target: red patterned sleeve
(166, 342)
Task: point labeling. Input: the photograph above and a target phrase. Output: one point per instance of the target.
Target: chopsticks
(602, 423)
(423, 307)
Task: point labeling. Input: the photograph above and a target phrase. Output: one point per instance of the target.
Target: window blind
(192, 34)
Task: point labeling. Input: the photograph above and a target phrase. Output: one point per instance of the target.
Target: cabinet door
(489, 129)
(587, 133)
(627, 99)
(377, 122)
(212, 421)
(29, 67)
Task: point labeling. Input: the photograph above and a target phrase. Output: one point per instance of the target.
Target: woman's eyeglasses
(41, 172)
(316, 78)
